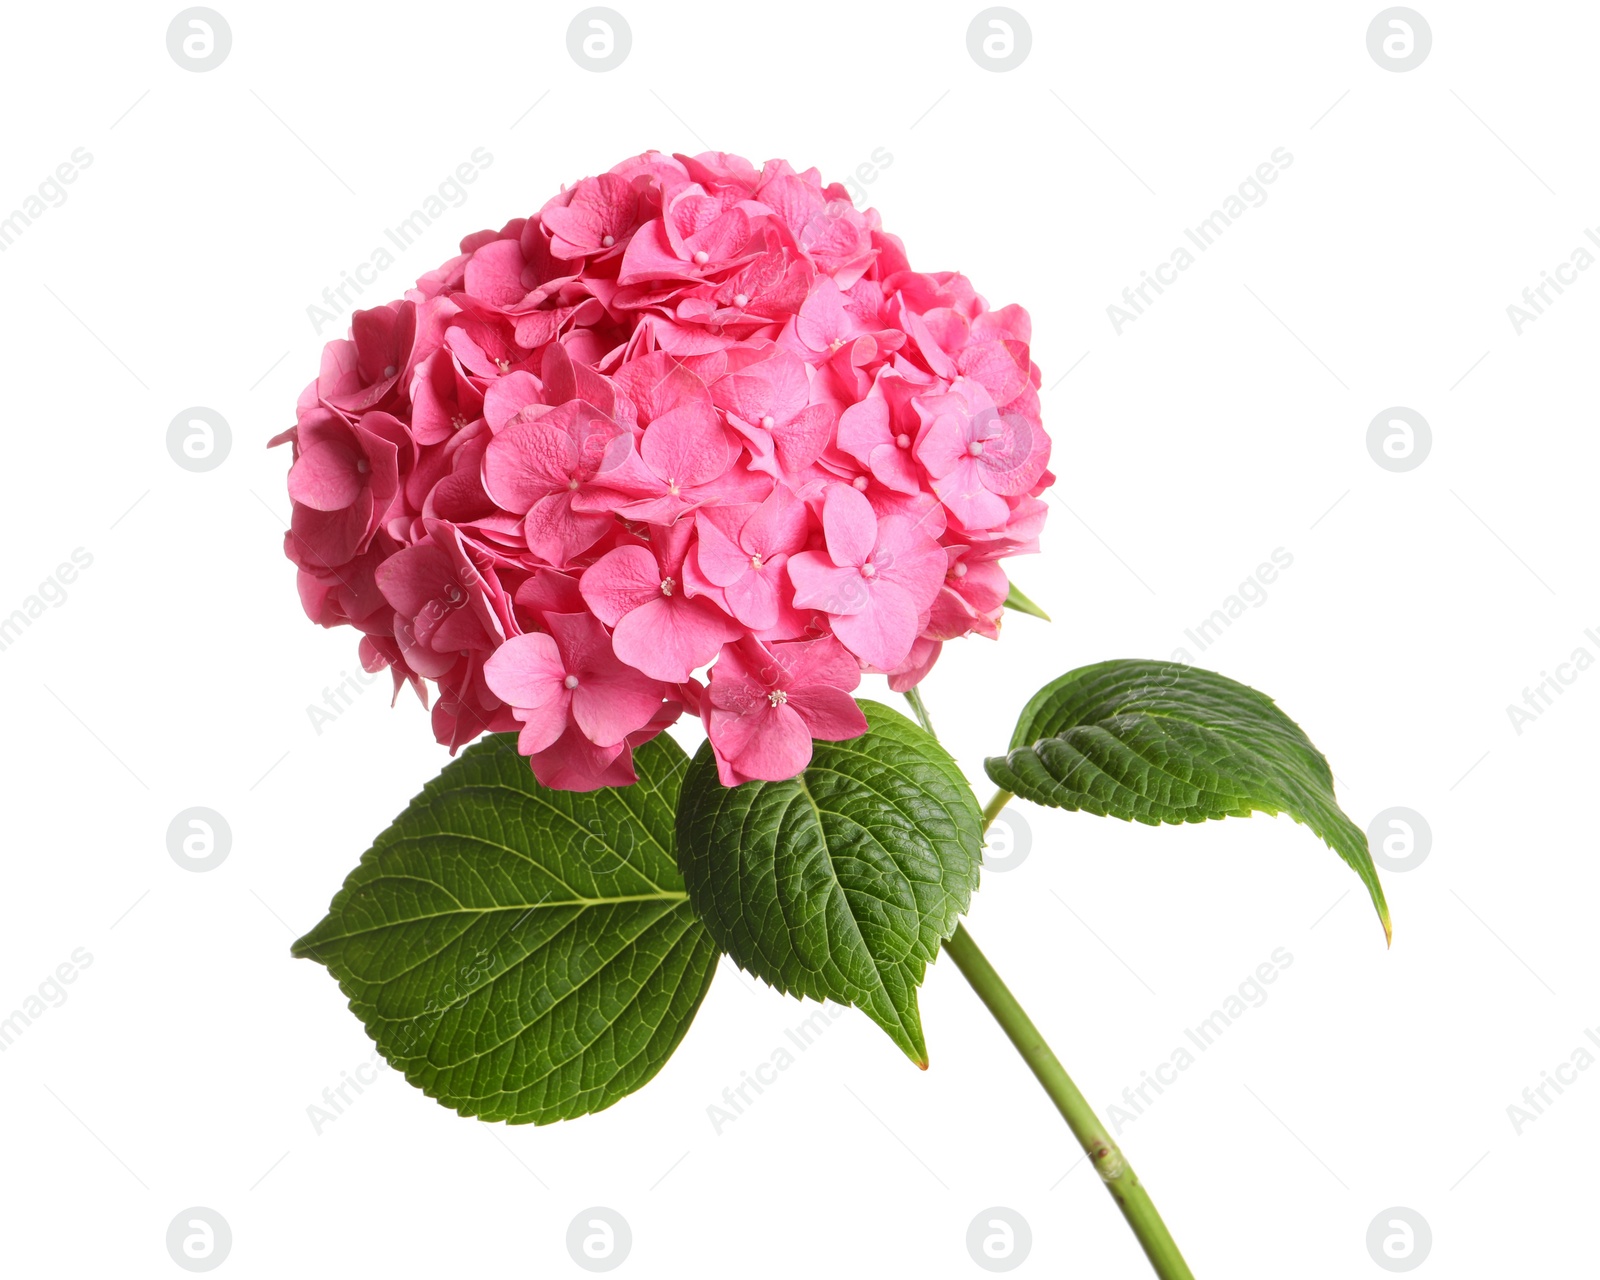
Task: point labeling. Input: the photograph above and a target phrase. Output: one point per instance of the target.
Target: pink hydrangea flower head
(691, 412)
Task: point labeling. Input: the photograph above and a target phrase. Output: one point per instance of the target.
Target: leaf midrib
(855, 923)
(583, 903)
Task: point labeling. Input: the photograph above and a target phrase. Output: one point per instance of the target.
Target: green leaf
(1162, 742)
(523, 954)
(839, 884)
(1016, 600)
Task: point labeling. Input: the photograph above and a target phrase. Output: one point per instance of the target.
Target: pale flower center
(701, 257)
(868, 570)
(769, 422)
(607, 241)
(755, 561)
(572, 484)
(390, 371)
(777, 698)
(503, 365)
(903, 440)
(571, 682)
(976, 448)
(668, 586)
(741, 299)
(960, 571)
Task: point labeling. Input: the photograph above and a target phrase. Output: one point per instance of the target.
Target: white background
(1227, 421)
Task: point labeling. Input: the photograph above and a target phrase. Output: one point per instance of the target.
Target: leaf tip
(1382, 905)
(1015, 599)
(305, 948)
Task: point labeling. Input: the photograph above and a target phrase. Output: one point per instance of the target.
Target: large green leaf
(1162, 742)
(523, 954)
(839, 884)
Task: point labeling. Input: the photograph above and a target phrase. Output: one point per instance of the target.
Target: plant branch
(1108, 1160)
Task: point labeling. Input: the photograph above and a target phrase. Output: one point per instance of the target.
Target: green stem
(1109, 1162)
(1103, 1153)
(915, 699)
(991, 811)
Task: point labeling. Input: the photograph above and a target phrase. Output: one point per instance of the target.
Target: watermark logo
(1007, 842)
(1399, 39)
(199, 1239)
(1400, 839)
(199, 439)
(1399, 1239)
(999, 39)
(599, 39)
(999, 1239)
(1399, 439)
(199, 839)
(199, 39)
(599, 1239)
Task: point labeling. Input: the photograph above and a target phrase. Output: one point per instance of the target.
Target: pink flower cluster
(690, 412)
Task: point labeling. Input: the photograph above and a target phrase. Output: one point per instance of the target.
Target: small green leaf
(523, 954)
(1016, 600)
(1162, 742)
(839, 884)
